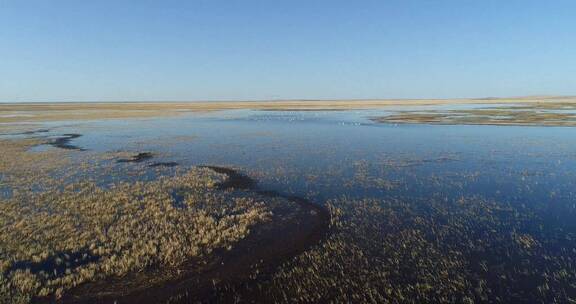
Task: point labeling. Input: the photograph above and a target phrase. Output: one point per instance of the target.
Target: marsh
(375, 202)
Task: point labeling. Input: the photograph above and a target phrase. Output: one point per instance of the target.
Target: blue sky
(243, 49)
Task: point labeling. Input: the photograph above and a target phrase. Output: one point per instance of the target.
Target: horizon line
(291, 99)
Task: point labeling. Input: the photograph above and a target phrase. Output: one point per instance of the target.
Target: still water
(495, 204)
(317, 154)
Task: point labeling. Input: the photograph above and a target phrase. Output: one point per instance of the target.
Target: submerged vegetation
(60, 230)
(57, 233)
(470, 250)
(54, 240)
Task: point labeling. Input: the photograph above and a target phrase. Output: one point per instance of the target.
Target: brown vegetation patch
(184, 234)
(537, 114)
(129, 227)
(21, 169)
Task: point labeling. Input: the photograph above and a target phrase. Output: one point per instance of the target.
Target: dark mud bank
(63, 142)
(252, 260)
(237, 180)
(138, 158)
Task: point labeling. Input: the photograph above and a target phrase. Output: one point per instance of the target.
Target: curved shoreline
(261, 252)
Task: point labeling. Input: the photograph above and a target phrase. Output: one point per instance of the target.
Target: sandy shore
(37, 112)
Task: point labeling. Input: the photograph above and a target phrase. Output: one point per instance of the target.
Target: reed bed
(61, 235)
(20, 169)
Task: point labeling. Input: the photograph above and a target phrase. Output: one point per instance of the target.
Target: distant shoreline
(300, 100)
(14, 113)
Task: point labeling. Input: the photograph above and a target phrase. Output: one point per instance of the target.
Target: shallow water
(316, 154)
(326, 155)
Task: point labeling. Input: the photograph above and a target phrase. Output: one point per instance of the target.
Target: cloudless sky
(73, 50)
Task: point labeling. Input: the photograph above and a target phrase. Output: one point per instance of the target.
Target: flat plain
(29, 112)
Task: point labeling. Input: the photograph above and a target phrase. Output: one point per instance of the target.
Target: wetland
(465, 201)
